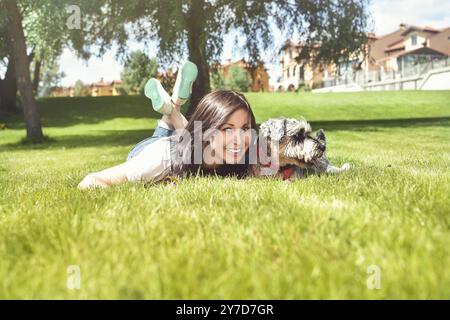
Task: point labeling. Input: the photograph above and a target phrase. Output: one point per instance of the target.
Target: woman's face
(233, 138)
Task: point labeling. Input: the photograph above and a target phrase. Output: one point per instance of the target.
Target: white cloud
(106, 67)
(388, 14)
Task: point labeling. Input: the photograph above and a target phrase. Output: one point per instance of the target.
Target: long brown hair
(213, 111)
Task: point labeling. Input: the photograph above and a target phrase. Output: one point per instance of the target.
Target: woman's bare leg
(176, 119)
(186, 75)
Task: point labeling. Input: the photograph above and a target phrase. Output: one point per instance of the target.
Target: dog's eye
(300, 135)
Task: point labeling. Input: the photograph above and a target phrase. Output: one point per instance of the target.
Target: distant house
(101, 88)
(62, 92)
(97, 89)
(296, 72)
(409, 45)
(259, 76)
(399, 50)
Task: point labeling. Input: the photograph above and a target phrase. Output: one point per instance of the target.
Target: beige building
(62, 92)
(398, 51)
(101, 88)
(259, 77)
(296, 72)
(409, 45)
(97, 89)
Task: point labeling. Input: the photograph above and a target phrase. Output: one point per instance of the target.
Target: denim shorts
(160, 132)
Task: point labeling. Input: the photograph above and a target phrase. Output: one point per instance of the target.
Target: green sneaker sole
(188, 75)
(151, 91)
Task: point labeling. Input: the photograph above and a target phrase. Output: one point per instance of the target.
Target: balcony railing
(363, 78)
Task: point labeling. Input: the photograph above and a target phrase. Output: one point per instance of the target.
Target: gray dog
(296, 150)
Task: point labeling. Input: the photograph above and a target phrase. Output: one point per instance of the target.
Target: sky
(386, 14)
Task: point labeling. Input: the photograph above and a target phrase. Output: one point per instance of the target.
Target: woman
(215, 140)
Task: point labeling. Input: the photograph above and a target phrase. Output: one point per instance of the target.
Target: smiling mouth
(233, 150)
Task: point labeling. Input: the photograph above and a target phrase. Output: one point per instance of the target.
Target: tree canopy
(34, 31)
(197, 28)
(331, 30)
(138, 68)
(237, 78)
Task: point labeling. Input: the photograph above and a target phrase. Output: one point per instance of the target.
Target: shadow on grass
(114, 138)
(100, 138)
(378, 124)
(63, 112)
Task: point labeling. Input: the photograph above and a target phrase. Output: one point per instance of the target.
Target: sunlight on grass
(225, 238)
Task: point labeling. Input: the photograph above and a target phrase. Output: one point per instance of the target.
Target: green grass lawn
(225, 238)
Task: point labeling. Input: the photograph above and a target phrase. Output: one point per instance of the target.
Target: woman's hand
(103, 179)
(91, 182)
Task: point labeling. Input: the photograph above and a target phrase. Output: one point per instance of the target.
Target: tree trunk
(36, 75)
(196, 24)
(8, 90)
(32, 121)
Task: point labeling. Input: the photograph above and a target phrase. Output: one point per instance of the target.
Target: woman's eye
(245, 129)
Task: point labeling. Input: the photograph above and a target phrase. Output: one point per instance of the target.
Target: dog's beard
(306, 151)
(311, 151)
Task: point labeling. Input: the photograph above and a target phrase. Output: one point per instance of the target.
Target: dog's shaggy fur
(290, 142)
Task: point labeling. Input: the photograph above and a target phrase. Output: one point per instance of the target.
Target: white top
(150, 163)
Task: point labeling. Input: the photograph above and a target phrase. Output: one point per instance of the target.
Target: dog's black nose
(321, 147)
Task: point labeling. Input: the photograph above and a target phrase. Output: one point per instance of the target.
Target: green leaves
(137, 70)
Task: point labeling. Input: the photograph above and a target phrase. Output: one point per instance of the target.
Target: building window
(290, 53)
(293, 71)
(288, 72)
(414, 40)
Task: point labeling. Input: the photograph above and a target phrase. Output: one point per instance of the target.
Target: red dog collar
(287, 172)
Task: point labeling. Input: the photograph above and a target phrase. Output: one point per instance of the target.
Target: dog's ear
(320, 135)
(297, 127)
(274, 129)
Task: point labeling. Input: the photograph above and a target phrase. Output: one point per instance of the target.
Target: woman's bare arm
(105, 178)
